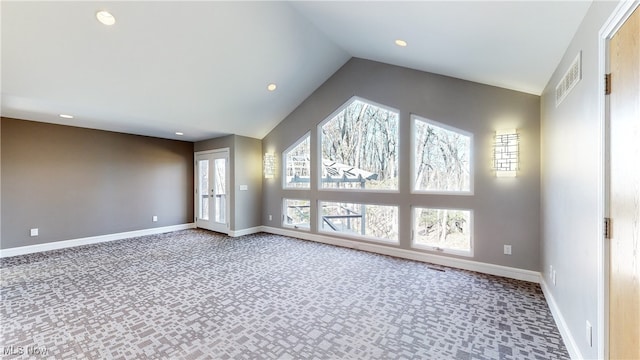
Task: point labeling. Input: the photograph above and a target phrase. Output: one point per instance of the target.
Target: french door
(211, 190)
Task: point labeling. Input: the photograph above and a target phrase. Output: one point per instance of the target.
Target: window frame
(284, 214)
(357, 236)
(414, 119)
(415, 245)
(284, 162)
(330, 117)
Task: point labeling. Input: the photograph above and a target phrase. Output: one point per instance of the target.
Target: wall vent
(570, 79)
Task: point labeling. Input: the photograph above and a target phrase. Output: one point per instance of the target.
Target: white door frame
(227, 180)
(621, 13)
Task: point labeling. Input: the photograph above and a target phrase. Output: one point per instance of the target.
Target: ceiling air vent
(570, 79)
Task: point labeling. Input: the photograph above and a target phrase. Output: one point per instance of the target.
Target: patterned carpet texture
(195, 294)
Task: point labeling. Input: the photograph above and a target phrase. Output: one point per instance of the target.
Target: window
(296, 160)
(442, 158)
(220, 193)
(360, 220)
(296, 213)
(203, 189)
(447, 230)
(359, 148)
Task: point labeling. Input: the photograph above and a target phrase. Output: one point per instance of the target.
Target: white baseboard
(249, 231)
(492, 269)
(499, 270)
(567, 337)
(22, 250)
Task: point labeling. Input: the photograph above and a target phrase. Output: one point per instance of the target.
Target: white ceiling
(202, 68)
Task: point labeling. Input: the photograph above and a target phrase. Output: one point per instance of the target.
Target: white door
(212, 179)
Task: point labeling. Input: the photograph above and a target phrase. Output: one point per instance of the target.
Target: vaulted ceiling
(202, 68)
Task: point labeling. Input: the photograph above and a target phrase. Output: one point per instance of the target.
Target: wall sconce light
(505, 153)
(269, 165)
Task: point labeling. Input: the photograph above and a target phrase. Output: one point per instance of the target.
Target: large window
(358, 150)
(442, 158)
(359, 147)
(296, 213)
(297, 168)
(447, 230)
(362, 220)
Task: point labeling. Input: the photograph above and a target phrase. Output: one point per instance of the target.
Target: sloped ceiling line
(202, 68)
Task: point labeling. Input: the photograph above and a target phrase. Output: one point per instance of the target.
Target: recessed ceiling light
(179, 133)
(401, 43)
(271, 87)
(105, 17)
(66, 116)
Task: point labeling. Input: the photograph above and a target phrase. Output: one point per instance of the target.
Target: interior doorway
(211, 190)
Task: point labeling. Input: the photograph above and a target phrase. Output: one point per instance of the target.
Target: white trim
(485, 268)
(602, 327)
(621, 13)
(243, 232)
(569, 341)
(220, 150)
(22, 250)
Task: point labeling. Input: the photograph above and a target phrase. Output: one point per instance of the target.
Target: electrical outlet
(589, 334)
(553, 277)
(155, 218)
(507, 249)
(270, 217)
(34, 232)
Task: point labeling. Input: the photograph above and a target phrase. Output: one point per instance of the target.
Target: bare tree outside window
(442, 158)
(442, 229)
(372, 221)
(203, 189)
(359, 151)
(359, 148)
(297, 164)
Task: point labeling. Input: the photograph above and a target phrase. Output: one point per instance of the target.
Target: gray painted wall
(73, 182)
(506, 210)
(248, 162)
(0, 183)
(245, 157)
(570, 134)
